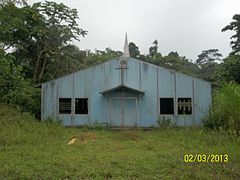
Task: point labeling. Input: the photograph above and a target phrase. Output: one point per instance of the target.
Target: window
(81, 106)
(184, 106)
(166, 106)
(65, 105)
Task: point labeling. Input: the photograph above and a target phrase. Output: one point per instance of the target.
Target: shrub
(10, 75)
(225, 111)
(16, 90)
(164, 122)
(99, 126)
(26, 97)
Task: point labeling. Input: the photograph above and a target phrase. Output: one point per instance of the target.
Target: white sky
(185, 26)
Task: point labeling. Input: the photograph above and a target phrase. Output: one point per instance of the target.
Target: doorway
(123, 111)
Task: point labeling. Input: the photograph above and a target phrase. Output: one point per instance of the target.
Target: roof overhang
(120, 87)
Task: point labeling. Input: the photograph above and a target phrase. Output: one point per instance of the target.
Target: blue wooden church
(126, 92)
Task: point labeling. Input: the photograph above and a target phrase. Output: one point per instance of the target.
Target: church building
(126, 92)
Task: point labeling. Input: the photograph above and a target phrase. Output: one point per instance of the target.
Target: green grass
(32, 150)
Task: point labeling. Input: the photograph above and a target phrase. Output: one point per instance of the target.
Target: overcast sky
(185, 26)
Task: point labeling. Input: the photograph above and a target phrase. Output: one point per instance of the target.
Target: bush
(26, 97)
(10, 75)
(225, 112)
(16, 90)
(164, 122)
(99, 126)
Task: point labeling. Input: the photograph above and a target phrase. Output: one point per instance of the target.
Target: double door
(123, 111)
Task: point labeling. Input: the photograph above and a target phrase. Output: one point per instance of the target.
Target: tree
(14, 89)
(134, 50)
(19, 2)
(153, 49)
(101, 56)
(173, 54)
(209, 56)
(69, 59)
(231, 68)
(37, 33)
(180, 63)
(234, 26)
(208, 62)
(10, 75)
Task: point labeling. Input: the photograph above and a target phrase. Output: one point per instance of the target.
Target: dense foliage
(34, 47)
(38, 33)
(225, 112)
(231, 68)
(16, 90)
(235, 39)
(10, 75)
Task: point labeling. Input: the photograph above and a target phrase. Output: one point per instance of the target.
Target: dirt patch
(88, 137)
(83, 138)
(127, 135)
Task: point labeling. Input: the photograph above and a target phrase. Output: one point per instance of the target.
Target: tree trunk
(42, 70)
(37, 66)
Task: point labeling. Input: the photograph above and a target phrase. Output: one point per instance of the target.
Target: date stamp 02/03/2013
(206, 158)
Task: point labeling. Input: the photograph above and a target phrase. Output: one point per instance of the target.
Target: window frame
(191, 106)
(64, 113)
(173, 101)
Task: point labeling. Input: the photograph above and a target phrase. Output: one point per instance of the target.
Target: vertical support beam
(73, 101)
(175, 98)
(122, 76)
(123, 104)
(158, 106)
(136, 112)
(57, 100)
(140, 110)
(140, 96)
(122, 67)
(110, 101)
(211, 93)
(193, 102)
(42, 102)
(140, 78)
(106, 109)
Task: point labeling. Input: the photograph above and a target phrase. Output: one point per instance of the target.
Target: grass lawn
(32, 150)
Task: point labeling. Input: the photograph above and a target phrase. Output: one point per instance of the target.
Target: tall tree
(134, 50)
(153, 49)
(208, 62)
(174, 61)
(209, 56)
(69, 59)
(231, 68)
(100, 56)
(10, 75)
(37, 33)
(235, 39)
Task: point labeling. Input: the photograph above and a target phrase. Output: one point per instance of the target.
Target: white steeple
(126, 48)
